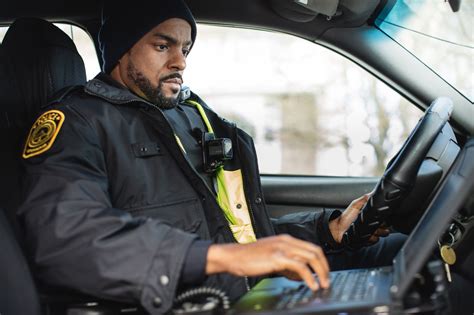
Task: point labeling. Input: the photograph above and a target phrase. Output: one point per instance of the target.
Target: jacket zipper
(247, 285)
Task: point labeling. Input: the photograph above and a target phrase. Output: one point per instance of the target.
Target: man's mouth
(174, 81)
(173, 78)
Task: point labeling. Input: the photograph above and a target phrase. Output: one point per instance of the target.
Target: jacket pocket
(186, 214)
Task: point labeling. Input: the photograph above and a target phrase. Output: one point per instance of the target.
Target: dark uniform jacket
(113, 205)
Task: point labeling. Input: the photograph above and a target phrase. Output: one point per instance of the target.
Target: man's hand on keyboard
(281, 254)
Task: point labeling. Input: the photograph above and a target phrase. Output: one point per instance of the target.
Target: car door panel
(287, 194)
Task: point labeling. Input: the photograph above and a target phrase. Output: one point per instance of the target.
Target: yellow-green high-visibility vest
(230, 193)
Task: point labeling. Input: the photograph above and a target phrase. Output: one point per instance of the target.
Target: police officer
(122, 203)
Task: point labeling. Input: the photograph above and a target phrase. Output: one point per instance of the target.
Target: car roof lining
(263, 14)
(259, 14)
(248, 13)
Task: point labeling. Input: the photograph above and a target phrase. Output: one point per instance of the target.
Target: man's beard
(153, 94)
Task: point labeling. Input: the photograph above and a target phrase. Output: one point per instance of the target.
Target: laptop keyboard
(351, 286)
(346, 286)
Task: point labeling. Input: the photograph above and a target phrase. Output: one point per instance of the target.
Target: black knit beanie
(123, 26)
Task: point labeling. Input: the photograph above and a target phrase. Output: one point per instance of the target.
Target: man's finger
(316, 262)
(310, 258)
(382, 232)
(373, 239)
(359, 202)
(317, 266)
(308, 251)
(301, 269)
(323, 274)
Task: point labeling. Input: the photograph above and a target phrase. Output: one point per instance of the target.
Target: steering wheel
(399, 176)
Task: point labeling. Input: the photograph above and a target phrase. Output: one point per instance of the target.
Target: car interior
(39, 62)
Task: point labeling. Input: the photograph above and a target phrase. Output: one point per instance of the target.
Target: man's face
(154, 66)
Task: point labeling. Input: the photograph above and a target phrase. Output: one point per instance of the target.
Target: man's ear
(118, 71)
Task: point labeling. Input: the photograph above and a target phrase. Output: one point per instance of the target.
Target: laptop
(376, 290)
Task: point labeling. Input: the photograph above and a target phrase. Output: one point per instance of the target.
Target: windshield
(436, 35)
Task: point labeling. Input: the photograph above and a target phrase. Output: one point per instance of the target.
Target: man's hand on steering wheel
(340, 225)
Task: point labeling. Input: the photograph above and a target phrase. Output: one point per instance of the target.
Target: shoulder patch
(43, 133)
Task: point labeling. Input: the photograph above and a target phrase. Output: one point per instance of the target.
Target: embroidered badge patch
(43, 133)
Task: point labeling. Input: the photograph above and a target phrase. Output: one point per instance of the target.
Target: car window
(309, 110)
(85, 47)
(84, 44)
(441, 38)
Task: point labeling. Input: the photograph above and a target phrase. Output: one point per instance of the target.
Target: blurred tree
(299, 133)
(378, 127)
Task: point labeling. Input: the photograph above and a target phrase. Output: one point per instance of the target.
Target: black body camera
(215, 151)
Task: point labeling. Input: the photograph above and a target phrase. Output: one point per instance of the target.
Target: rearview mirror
(455, 5)
(326, 7)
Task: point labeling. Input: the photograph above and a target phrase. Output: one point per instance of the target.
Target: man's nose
(178, 60)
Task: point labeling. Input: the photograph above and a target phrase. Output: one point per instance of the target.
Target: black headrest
(9, 90)
(37, 59)
(42, 61)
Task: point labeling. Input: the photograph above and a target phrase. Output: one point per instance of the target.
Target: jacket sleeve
(309, 226)
(77, 239)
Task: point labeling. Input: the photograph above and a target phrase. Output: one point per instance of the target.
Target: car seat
(37, 61)
(18, 294)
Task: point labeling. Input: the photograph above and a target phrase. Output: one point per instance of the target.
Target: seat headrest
(9, 90)
(42, 61)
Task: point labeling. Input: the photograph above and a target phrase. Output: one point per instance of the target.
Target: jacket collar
(105, 87)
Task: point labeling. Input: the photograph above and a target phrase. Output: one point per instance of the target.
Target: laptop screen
(452, 194)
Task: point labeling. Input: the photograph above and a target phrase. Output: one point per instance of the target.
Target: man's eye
(185, 52)
(161, 47)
